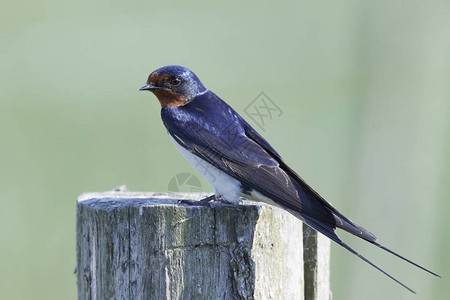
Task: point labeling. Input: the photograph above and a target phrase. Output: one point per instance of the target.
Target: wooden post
(316, 257)
(133, 245)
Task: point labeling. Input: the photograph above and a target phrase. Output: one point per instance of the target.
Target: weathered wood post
(133, 245)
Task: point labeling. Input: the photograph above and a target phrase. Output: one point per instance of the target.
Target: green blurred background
(363, 85)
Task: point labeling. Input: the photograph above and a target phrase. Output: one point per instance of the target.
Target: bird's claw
(209, 201)
(204, 202)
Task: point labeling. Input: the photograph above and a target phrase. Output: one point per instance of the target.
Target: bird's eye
(175, 81)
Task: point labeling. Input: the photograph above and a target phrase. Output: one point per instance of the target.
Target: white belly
(225, 186)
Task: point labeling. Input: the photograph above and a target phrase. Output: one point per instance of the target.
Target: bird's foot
(204, 202)
(209, 201)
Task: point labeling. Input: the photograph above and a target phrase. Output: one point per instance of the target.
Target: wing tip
(331, 234)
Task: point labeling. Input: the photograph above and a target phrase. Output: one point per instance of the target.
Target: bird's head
(174, 85)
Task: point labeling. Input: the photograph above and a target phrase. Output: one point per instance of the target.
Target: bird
(239, 163)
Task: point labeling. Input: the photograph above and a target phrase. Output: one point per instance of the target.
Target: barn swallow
(239, 162)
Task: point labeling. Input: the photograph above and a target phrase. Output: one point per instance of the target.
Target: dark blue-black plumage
(207, 127)
(210, 129)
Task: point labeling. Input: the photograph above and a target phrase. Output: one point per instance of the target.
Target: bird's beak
(148, 87)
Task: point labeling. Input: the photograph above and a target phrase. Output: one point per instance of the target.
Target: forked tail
(405, 259)
(329, 232)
